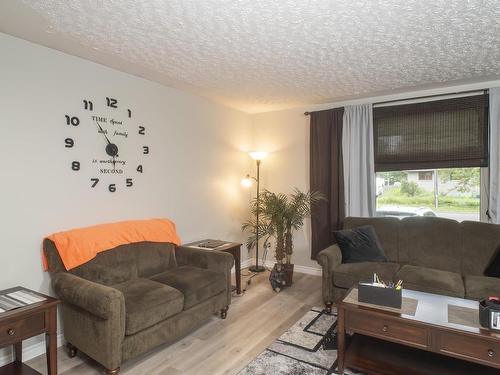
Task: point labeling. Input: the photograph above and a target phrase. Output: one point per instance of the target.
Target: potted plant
(298, 208)
(281, 215)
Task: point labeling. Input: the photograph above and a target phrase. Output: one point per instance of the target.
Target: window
(455, 195)
(430, 158)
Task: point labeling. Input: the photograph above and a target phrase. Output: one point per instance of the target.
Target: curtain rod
(485, 91)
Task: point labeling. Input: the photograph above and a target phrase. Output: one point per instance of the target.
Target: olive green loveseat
(132, 298)
(429, 254)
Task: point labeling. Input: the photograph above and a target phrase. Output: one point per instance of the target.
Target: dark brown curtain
(326, 176)
(449, 133)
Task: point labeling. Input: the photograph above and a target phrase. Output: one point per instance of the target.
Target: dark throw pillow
(360, 244)
(493, 269)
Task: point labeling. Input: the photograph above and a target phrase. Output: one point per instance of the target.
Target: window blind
(449, 133)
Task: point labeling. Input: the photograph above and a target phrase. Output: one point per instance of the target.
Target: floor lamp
(247, 181)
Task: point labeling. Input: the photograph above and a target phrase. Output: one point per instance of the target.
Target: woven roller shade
(449, 133)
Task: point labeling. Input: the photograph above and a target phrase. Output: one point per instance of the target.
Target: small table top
(226, 245)
(432, 309)
(28, 308)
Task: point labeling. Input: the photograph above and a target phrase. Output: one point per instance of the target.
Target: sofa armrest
(97, 299)
(329, 258)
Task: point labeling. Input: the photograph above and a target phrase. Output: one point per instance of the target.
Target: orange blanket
(78, 246)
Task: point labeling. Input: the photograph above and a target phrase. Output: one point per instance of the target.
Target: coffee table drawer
(376, 326)
(469, 348)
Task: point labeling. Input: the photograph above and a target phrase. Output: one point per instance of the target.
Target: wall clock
(106, 144)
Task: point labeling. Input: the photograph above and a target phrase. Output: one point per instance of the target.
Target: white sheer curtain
(359, 165)
(494, 193)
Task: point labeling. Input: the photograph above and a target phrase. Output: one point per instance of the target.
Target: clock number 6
(75, 121)
(129, 182)
(94, 181)
(112, 188)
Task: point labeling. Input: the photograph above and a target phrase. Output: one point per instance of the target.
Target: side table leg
(51, 341)
(18, 351)
(341, 340)
(237, 268)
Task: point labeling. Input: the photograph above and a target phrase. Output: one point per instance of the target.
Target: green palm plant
(280, 216)
(298, 208)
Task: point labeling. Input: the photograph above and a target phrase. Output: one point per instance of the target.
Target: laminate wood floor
(254, 321)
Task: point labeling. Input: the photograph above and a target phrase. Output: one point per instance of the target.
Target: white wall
(286, 134)
(198, 155)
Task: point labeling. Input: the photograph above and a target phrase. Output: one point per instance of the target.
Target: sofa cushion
(197, 284)
(360, 244)
(349, 274)
(478, 287)
(154, 257)
(431, 280)
(110, 267)
(431, 242)
(387, 229)
(148, 302)
(481, 242)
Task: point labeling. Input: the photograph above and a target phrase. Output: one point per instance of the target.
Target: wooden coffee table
(431, 334)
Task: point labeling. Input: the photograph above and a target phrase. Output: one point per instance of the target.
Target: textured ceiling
(259, 55)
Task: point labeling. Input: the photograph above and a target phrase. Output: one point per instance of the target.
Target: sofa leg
(72, 350)
(112, 372)
(328, 307)
(223, 312)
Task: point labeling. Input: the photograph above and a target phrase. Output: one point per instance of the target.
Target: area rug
(308, 347)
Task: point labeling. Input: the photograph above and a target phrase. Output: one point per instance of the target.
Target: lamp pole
(257, 268)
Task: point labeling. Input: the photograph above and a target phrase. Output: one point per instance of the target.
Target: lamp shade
(258, 155)
(247, 181)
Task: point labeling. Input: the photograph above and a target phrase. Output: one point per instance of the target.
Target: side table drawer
(469, 348)
(373, 325)
(20, 329)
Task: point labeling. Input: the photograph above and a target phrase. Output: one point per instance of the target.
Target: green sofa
(429, 254)
(135, 297)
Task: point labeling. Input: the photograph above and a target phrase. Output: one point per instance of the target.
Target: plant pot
(288, 268)
(278, 277)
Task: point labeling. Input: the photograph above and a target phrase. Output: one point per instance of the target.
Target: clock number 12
(110, 102)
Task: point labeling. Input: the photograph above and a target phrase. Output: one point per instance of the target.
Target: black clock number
(129, 113)
(112, 188)
(68, 143)
(129, 182)
(145, 150)
(139, 168)
(75, 165)
(88, 105)
(72, 120)
(113, 103)
(94, 182)
(142, 130)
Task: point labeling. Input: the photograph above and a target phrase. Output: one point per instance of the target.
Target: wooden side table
(25, 322)
(234, 248)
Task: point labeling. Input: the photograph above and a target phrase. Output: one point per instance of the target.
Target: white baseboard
(297, 268)
(30, 351)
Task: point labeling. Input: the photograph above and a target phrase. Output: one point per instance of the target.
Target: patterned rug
(308, 347)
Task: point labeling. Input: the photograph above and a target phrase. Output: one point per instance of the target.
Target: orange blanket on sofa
(78, 246)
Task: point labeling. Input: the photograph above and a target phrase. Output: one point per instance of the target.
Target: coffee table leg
(340, 340)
